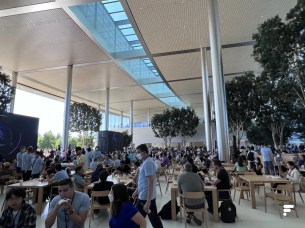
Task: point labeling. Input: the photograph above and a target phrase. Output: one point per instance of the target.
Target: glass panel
(119, 16)
(114, 7)
(132, 37)
(125, 26)
(129, 31)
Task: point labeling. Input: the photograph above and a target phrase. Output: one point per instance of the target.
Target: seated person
(18, 213)
(96, 173)
(117, 162)
(301, 160)
(165, 161)
(103, 186)
(189, 181)
(278, 159)
(5, 171)
(50, 171)
(222, 182)
(59, 175)
(94, 164)
(240, 166)
(78, 178)
(258, 166)
(194, 167)
(123, 168)
(293, 174)
(107, 162)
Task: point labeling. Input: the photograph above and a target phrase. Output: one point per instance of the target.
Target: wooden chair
(241, 186)
(158, 181)
(52, 193)
(281, 198)
(95, 204)
(301, 188)
(162, 171)
(193, 196)
(170, 176)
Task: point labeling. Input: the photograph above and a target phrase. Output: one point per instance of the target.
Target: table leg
(173, 203)
(35, 193)
(252, 192)
(215, 205)
(40, 199)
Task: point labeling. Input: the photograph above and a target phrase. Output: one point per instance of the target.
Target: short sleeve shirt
(80, 202)
(265, 151)
(225, 180)
(61, 175)
(37, 165)
(123, 218)
(148, 168)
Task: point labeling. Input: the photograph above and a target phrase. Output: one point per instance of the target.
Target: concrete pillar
(107, 110)
(131, 118)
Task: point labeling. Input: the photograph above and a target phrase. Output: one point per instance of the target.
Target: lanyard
(14, 218)
(67, 216)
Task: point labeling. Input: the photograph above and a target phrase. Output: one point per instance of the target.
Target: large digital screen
(16, 131)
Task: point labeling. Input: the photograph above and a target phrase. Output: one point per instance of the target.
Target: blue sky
(49, 111)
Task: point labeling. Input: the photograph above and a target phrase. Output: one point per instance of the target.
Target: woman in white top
(293, 174)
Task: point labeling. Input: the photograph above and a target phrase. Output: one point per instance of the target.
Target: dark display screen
(16, 131)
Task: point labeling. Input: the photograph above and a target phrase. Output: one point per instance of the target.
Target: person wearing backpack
(191, 182)
(222, 182)
(251, 159)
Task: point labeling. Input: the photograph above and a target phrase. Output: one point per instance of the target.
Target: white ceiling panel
(7, 4)
(44, 39)
(187, 87)
(192, 99)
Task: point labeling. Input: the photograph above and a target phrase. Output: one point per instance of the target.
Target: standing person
(18, 213)
(72, 212)
(268, 160)
(146, 190)
(88, 157)
(123, 213)
(19, 159)
(96, 153)
(81, 158)
(27, 163)
(37, 165)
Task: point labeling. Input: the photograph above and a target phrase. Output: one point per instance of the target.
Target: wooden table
(229, 168)
(36, 185)
(175, 193)
(117, 179)
(255, 179)
(279, 166)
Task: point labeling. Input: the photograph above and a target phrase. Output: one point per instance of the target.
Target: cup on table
(302, 166)
(21, 182)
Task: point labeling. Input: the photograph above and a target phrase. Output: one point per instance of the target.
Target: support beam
(14, 84)
(67, 104)
(107, 110)
(148, 117)
(218, 82)
(122, 118)
(206, 99)
(131, 118)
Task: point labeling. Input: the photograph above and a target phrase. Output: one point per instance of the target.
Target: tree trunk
(273, 132)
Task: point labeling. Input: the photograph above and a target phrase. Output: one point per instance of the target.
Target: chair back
(193, 195)
(5, 177)
(100, 193)
(302, 184)
(285, 188)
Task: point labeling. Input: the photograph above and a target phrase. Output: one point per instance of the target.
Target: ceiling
(40, 38)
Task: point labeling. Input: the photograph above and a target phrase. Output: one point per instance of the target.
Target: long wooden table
(175, 193)
(36, 185)
(255, 179)
(121, 179)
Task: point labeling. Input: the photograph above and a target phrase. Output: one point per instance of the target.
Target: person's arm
(30, 218)
(135, 194)
(78, 218)
(150, 182)
(52, 216)
(294, 176)
(139, 220)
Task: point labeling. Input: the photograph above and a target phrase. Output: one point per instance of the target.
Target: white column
(131, 118)
(14, 84)
(148, 117)
(65, 134)
(206, 99)
(218, 83)
(107, 110)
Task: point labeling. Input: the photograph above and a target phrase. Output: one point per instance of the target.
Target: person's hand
(135, 195)
(146, 207)
(66, 205)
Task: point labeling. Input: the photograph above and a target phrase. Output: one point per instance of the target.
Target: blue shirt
(266, 153)
(94, 164)
(80, 202)
(19, 158)
(123, 218)
(96, 154)
(148, 168)
(88, 158)
(37, 164)
(26, 161)
(60, 175)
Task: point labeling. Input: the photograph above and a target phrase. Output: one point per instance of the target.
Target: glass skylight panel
(125, 26)
(132, 37)
(109, 1)
(119, 16)
(128, 31)
(114, 7)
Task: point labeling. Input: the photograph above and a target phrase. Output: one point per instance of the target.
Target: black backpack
(250, 156)
(227, 211)
(166, 211)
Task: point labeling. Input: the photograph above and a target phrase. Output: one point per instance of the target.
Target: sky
(49, 111)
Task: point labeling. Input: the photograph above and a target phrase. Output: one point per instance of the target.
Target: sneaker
(188, 218)
(196, 220)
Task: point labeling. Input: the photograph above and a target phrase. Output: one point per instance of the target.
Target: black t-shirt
(125, 169)
(103, 186)
(223, 176)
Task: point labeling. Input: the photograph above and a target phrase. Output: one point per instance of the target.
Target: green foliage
(175, 122)
(242, 103)
(48, 140)
(127, 139)
(84, 118)
(6, 92)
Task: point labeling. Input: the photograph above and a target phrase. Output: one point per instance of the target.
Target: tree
(84, 119)
(163, 126)
(242, 105)
(6, 92)
(127, 139)
(185, 122)
(47, 140)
